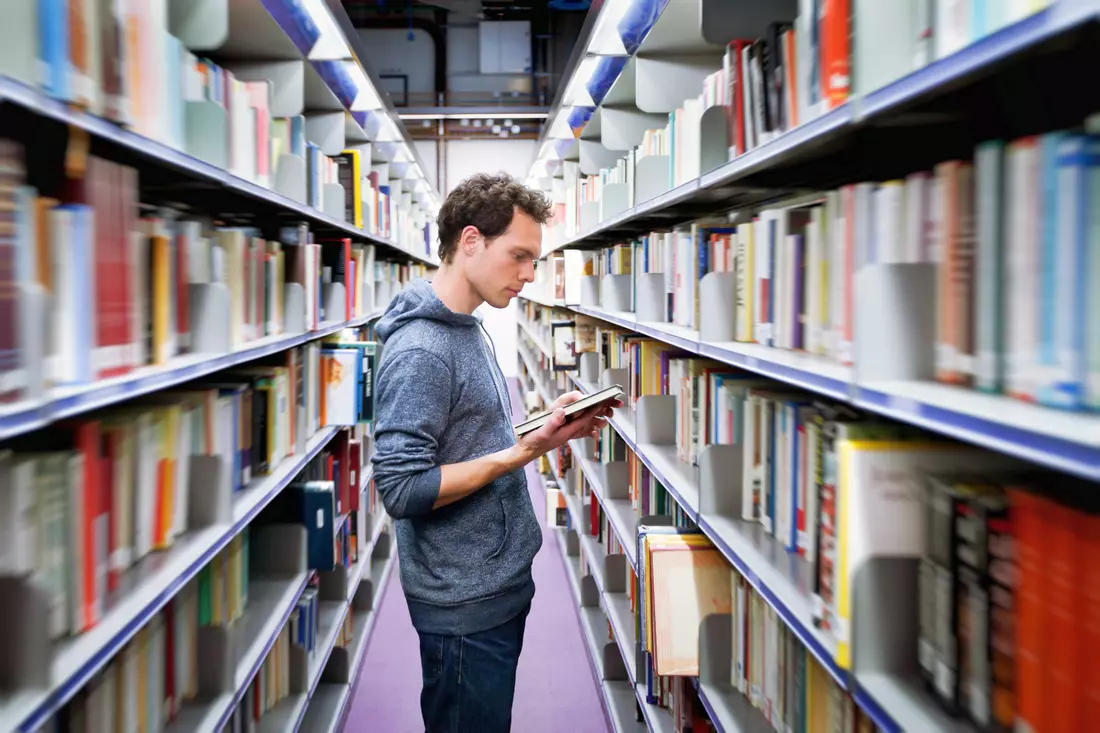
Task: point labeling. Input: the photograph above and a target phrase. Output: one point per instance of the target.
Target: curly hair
(488, 202)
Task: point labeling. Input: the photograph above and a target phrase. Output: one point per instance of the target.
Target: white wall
(465, 158)
(391, 52)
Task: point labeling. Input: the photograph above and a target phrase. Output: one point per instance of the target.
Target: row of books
(800, 68)
(123, 63)
(1007, 631)
(1006, 232)
(1001, 583)
(148, 683)
(124, 287)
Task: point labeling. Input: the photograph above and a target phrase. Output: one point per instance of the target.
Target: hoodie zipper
(495, 367)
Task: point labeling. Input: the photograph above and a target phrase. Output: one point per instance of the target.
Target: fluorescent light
(465, 118)
(367, 97)
(330, 45)
(605, 39)
(577, 91)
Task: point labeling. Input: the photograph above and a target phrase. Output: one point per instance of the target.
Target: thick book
(611, 393)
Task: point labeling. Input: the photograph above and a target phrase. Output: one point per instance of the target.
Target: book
(614, 392)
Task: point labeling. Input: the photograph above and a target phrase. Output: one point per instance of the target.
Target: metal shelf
(146, 588)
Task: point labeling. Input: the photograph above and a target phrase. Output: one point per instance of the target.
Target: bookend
(650, 302)
(655, 419)
(615, 293)
(615, 477)
(24, 615)
(660, 80)
(615, 200)
(206, 132)
(208, 304)
(651, 177)
(286, 79)
(332, 201)
(719, 479)
(294, 308)
(334, 298)
(589, 367)
(210, 500)
(731, 709)
(624, 127)
(895, 323)
(200, 26)
(277, 553)
(290, 177)
(589, 216)
(326, 131)
(714, 139)
(382, 294)
(624, 417)
(614, 573)
(717, 291)
(590, 291)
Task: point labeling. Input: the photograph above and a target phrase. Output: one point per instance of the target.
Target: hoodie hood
(418, 300)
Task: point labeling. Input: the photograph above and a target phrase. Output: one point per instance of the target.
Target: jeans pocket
(431, 656)
(504, 534)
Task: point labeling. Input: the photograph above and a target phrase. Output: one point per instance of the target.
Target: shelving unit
(899, 121)
(256, 41)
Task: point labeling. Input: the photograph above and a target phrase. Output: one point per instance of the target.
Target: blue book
(296, 22)
(1046, 357)
(1068, 271)
(316, 501)
(53, 46)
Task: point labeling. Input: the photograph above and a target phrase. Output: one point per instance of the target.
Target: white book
(1021, 293)
(952, 26)
(890, 225)
(18, 514)
(917, 213)
(1092, 256)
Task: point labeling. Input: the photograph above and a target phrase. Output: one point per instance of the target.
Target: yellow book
(745, 277)
(356, 186)
(169, 442)
(880, 507)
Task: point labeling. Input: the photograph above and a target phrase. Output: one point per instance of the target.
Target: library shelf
(619, 512)
(333, 701)
(1056, 19)
(145, 589)
(842, 124)
(1064, 440)
(784, 580)
(532, 294)
(288, 716)
(536, 338)
(40, 103)
(66, 402)
(270, 603)
(616, 696)
(730, 710)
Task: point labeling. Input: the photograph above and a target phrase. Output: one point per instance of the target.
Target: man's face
(499, 269)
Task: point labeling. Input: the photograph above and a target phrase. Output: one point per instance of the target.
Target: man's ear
(469, 239)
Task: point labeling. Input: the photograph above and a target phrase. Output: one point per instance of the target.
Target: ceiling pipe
(362, 16)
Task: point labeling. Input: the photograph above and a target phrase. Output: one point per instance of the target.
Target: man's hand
(557, 431)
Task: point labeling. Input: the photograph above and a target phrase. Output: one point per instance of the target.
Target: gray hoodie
(442, 399)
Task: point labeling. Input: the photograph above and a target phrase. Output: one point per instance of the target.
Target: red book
(94, 524)
(594, 516)
(836, 74)
(342, 452)
(110, 447)
(183, 324)
(355, 453)
(735, 110)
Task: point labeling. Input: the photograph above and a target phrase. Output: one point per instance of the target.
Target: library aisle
(554, 690)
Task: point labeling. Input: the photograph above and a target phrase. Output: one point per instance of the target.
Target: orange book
(1088, 526)
(836, 76)
(1063, 608)
(955, 275)
(94, 524)
(1028, 512)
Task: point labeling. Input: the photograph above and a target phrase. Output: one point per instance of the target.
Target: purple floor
(554, 690)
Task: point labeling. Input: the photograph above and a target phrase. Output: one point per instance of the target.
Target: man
(447, 464)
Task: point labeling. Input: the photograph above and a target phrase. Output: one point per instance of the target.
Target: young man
(447, 464)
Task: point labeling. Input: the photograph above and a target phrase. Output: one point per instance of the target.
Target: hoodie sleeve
(414, 400)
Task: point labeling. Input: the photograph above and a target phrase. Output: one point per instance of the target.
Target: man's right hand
(557, 431)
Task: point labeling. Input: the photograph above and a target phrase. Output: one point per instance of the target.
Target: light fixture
(508, 123)
(515, 129)
(496, 129)
(330, 45)
(477, 123)
(465, 119)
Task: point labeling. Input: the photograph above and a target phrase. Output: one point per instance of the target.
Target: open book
(611, 393)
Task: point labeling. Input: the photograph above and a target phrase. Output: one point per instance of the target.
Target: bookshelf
(793, 255)
(241, 204)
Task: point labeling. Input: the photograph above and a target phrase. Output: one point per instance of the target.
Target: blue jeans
(469, 681)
